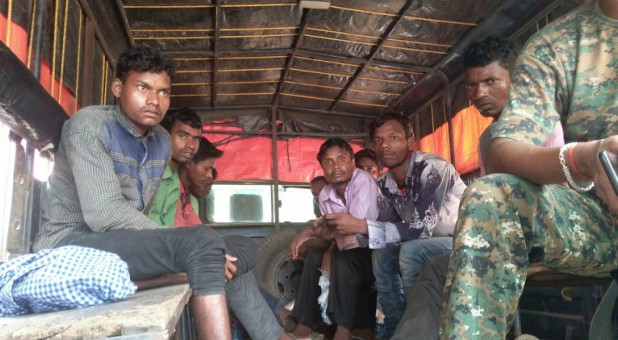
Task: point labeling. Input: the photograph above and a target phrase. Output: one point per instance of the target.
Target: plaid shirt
(105, 176)
(62, 278)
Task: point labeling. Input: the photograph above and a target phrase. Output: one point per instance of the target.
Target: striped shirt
(105, 176)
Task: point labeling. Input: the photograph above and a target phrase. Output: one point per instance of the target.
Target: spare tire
(275, 270)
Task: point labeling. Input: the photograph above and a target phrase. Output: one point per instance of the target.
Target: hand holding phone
(609, 161)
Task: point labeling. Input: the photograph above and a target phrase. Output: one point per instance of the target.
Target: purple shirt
(361, 201)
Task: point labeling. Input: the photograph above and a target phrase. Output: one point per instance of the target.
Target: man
(351, 300)
(420, 197)
(312, 253)
(185, 129)
(200, 174)
(518, 215)
(316, 185)
(487, 71)
(367, 160)
(175, 207)
(107, 169)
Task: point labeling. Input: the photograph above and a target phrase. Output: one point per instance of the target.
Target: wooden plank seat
(148, 314)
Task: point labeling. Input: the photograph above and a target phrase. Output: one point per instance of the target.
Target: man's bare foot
(287, 320)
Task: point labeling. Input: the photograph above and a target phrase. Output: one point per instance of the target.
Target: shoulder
(360, 177)
(562, 34)
(429, 158)
(431, 164)
(325, 193)
(90, 118)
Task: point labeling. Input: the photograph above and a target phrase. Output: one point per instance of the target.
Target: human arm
(429, 197)
(541, 165)
(313, 236)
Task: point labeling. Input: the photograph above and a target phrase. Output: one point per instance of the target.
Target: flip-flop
(294, 337)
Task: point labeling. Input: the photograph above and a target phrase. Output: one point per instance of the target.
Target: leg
(245, 300)
(211, 325)
(423, 302)
(388, 284)
(306, 308)
(349, 305)
(150, 253)
(244, 248)
(488, 267)
(416, 253)
(242, 293)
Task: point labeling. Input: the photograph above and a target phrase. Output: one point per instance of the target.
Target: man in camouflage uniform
(518, 216)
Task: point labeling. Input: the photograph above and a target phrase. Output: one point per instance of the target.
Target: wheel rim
(288, 278)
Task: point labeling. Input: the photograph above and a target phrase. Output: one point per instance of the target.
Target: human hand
(604, 189)
(298, 241)
(346, 224)
(230, 267)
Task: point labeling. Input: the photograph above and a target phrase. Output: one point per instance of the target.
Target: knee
(243, 248)
(421, 250)
(385, 262)
(492, 188)
(202, 239)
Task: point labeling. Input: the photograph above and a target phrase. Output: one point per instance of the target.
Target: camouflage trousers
(502, 218)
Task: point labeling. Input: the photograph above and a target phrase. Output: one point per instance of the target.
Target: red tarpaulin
(249, 157)
(468, 124)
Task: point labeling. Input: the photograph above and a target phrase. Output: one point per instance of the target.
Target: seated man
(174, 207)
(487, 65)
(107, 170)
(565, 73)
(367, 160)
(420, 197)
(351, 300)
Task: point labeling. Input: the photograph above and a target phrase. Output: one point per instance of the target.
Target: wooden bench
(149, 314)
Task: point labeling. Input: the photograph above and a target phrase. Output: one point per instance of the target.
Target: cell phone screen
(609, 161)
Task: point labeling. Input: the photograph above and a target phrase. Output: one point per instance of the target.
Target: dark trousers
(421, 319)
(197, 251)
(306, 309)
(352, 297)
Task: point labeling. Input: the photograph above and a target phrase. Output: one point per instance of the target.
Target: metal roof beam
(299, 38)
(389, 31)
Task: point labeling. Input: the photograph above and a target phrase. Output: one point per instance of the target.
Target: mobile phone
(609, 161)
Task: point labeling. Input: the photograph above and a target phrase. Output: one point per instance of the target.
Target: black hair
(205, 151)
(389, 115)
(332, 142)
(366, 153)
(317, 178)
(489, 50)
(185, 116)
(143, 59)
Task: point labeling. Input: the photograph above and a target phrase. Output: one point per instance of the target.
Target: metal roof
(317, 70)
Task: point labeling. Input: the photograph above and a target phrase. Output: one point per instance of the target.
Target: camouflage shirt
(567, 72)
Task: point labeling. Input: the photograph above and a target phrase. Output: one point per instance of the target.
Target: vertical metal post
(447, 109)
(273, 129)
(37, 25)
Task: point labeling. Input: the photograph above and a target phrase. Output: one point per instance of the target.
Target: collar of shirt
(388, 181)
(128, 126)
(330, 192)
